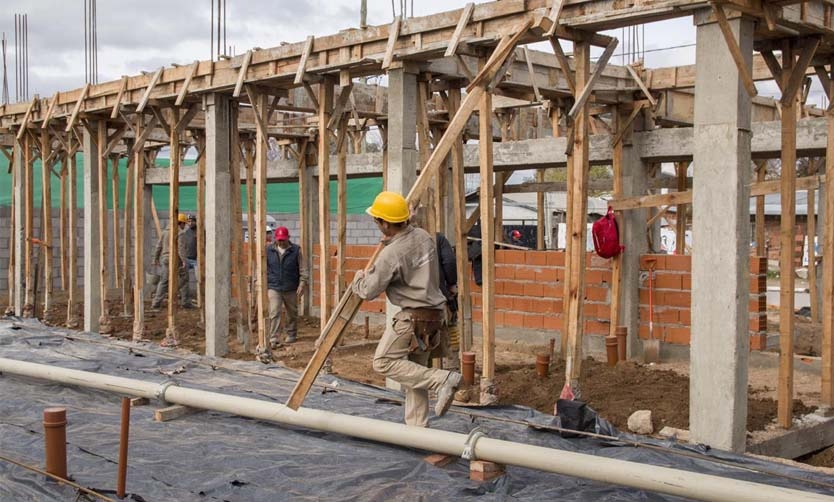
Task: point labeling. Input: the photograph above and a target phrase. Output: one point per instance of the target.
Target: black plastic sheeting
(214, 456)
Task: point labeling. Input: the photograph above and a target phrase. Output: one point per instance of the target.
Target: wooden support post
(242, 280)
(461, 256)
(810, 234)
(680, 227)
(261, 146)
(787, 241)
(249, 161)
(101, 144)
(13, 233)
(173, 229)
(62, 221)
(341, 212)
(46, 218)
(305, 213)
(325, 98)
(577, 231)
(127, 235)
(827, 388)
(200, 271)
(114, 179)
(72, 250)
(621, 115)
(488, 391)
(761, 244)
(29, 305)
(139, 237)
(541, 221)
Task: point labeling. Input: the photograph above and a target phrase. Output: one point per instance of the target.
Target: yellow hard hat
(182, 218)
(389, 206)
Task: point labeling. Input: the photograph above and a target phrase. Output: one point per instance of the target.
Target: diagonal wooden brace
(602, 62)
(735, 50)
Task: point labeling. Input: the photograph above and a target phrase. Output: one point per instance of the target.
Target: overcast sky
(135, 36)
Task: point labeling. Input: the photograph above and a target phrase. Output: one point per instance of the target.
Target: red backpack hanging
(607, 236)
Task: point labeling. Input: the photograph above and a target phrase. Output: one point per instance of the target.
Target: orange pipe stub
(542, 365)
(55, 439)
(468, 367)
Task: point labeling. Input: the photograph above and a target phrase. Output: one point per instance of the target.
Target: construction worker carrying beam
(407, 271)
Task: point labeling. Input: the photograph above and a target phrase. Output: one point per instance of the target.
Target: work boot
(446, 394)
(291, 339)
(274, 342)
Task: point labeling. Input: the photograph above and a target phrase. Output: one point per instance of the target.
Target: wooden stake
(461, 256)
(46, 219)
(786, 253)
(575, 253)
(325, 98)
(139, 236)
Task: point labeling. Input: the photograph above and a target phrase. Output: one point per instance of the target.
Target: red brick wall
(671, 298)
(529, 289)
(356, 257)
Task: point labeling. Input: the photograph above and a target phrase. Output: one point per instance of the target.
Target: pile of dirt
(616, 392)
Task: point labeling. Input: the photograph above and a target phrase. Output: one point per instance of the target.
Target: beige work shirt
(406, 270)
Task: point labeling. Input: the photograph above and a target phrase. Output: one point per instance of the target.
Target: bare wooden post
(117, 275)
(14, 237)
(261, 145)
(101, 142)
(461, 256)
(29, 305)
(827, 389)
(305, 214)
(325, 99)
(139, 237)
(249, 160)
(621, 115)
(173, 229)
(72, 253)
(575, 253)
(242, 280)
(127, 235)
(200, 272)
(787, 241)
(811, 232)
(488, 391)
(46, 218)
(761, 245)
(62, 222)
(680, 227)
(540, 218)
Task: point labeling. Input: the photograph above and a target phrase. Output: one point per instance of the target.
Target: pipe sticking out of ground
(604, 470)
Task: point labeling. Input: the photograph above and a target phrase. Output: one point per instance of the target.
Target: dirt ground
(614, 392)
(824, 458)
(807, 333)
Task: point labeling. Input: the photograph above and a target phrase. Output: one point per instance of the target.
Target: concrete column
(635, 183)
(402, 149)
(402, 130)
(721, 239)
(92, 260)
(19, 276)
(218, 224)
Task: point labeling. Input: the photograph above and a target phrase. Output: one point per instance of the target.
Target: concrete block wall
(672, 287)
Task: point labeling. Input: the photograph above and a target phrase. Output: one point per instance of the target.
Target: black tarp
(214, 456)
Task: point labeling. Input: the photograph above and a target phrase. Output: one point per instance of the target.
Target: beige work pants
(288, 322)
(394, 360)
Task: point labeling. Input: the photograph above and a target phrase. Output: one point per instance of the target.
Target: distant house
(773, 214)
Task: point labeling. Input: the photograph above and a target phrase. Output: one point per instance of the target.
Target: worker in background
(515, 236)
(188, 240)
(286, 277)
(161, 258)
(448, 267)
(406, 271)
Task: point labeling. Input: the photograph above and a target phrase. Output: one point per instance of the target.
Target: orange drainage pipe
(55, 439)
(123, 440)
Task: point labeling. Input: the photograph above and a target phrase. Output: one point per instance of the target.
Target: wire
(456, 411)
(57, 478)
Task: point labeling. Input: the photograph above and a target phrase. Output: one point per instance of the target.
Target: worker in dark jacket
(449, 287)
(286, 277)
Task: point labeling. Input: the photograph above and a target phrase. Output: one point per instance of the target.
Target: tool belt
(429, 328)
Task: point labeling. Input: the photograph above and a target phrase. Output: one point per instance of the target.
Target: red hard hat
(516, 234)
(282, 234)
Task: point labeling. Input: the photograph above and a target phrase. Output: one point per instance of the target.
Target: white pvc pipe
(605, 470)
